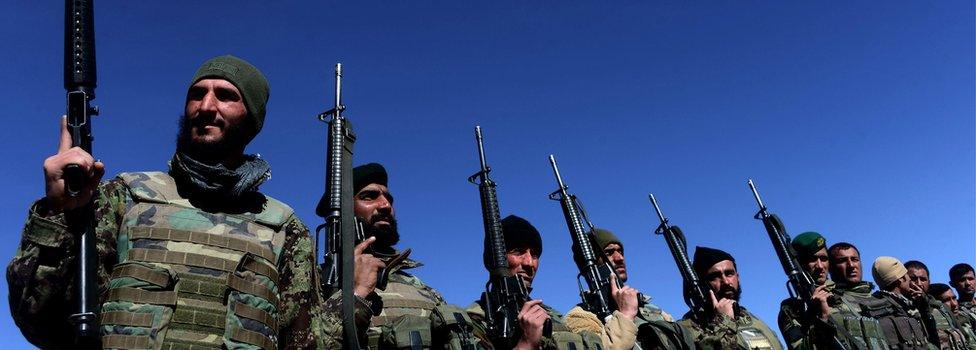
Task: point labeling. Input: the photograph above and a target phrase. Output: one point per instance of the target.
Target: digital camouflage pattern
(414, 314)
(746, 331)
(562, 337)
(241, 276)
(940, 321)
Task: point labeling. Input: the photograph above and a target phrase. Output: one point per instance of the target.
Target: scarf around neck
(217, 180)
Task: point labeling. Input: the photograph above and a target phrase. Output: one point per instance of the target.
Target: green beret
(247, 78)
(706, 257)
(363, 175)
(604, 238)
(808, 243)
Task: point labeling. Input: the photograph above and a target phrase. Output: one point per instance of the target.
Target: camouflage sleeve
(41, 273)
(795, 334)
(718, 333)
(309, 321)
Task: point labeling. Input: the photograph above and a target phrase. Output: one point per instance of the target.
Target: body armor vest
(751, 335)
(192, 279)
(901, 329)
(862, 331)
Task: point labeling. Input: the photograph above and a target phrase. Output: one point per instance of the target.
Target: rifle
(596, 297)
(800, 285)
(80, 79)
(695, 292)
(505, 293)
(336, 206)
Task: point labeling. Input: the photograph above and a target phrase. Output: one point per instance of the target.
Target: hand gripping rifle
(800, 284)
(336, 206)
(696, 292)
(80, 79)
(505, 293)
(596, 297)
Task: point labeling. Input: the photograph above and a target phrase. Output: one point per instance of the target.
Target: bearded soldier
(619, 331)
(732, 327)
(523, 245)
(194, 257)
(407, 313)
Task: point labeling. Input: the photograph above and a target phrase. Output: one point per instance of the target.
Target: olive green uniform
(562, 337)
(414, 315)
(746, 331)
(175, 273)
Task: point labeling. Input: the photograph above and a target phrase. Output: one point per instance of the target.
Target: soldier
(195, 257)
(943, 293)
(815, 325)
(523, 244)
(938, 319)
(962, 278)
(408, 313)
(901, 320)
(732, 326)
(615, 333)
(855, 296)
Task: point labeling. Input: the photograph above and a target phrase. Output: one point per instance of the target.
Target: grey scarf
(217, 180)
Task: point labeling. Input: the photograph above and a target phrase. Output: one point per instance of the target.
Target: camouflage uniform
(562, 337)
(746, 331)
(968, 311)
(172, 274)
(844, 324)
(942, 326)
(615, 333)
(965, 323)
(414, 314)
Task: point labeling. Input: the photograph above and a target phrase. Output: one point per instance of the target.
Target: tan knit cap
(887, 270)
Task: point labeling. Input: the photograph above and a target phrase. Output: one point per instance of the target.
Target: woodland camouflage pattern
(746, 331)
(131, 211)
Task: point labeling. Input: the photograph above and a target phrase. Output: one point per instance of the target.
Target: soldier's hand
(819, 301)
(725, 306)
(57, 198)
(532, 319)
(625, 297)
(915, 291)
(367, 268)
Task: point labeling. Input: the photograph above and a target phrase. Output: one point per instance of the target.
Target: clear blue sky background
(855, 120)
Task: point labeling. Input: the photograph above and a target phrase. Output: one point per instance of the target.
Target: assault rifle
(336, 206)
(505, 293)
(695, 292)
(80, 79)
(596, 297)
(800, 285)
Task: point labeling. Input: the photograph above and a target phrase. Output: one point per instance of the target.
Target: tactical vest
(855, 327)
(750, 334)
(951, 335)
(415, 316)
(564, 338)
(902, 330)
(190, 279)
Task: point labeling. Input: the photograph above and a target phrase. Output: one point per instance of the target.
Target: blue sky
(856, 120)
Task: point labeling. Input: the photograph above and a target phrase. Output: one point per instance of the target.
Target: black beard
(736, 293)
(387, 236)
(236, 137)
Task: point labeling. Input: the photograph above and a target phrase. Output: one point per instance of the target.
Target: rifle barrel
(755, 193)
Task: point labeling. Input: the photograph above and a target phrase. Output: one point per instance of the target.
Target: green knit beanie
(248, 79)
(605, 237)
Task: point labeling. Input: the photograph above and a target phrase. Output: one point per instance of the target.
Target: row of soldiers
(198, 258)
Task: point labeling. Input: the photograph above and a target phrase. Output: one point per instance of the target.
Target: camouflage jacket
(746, 331)
(965, 324)
(809, 332)
(903, 323)
(41, 275)
(411, 314)
(943, 327)
(562, 336)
